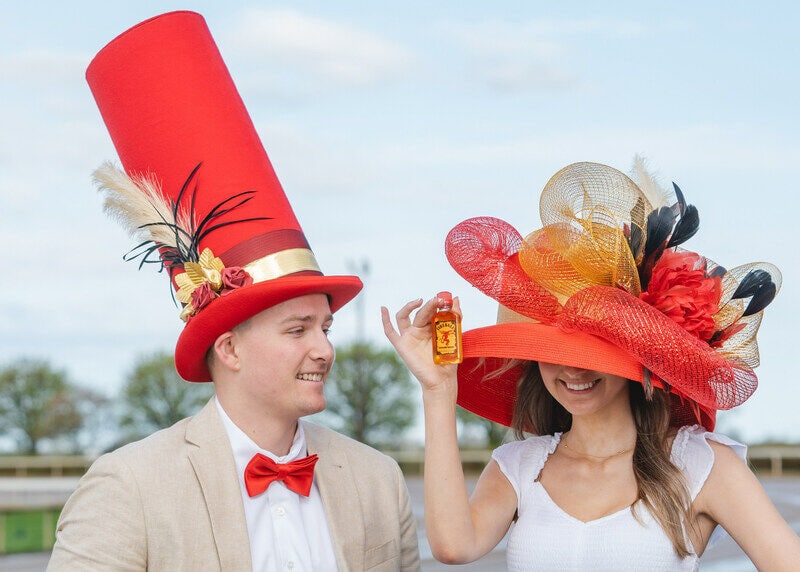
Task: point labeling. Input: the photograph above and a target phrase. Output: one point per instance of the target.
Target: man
(243, 485)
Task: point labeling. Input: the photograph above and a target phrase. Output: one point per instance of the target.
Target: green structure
(28, 530)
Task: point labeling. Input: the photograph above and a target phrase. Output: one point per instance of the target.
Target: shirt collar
(244, 447)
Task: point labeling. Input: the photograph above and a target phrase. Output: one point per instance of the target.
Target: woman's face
(583, 391)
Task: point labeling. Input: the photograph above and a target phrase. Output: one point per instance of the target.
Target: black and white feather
(169, 230)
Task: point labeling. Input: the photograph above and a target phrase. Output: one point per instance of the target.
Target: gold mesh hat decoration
(605, 285)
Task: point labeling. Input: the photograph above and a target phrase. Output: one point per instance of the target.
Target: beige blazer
(172, 502)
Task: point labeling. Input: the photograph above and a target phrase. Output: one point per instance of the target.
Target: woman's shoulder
(533, 444)
(525, 457)
(695, 450)
(694, 440)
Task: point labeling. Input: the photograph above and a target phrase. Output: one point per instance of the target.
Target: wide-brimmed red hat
(198, 189)
(603, 285)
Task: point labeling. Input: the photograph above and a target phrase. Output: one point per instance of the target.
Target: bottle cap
(445, 298)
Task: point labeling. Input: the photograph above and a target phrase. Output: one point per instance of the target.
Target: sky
(388, 124)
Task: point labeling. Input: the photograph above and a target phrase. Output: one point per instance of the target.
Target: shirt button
(280, 511)
(290, 565)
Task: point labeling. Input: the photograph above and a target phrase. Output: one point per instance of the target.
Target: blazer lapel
(212, 459)
(337, 488)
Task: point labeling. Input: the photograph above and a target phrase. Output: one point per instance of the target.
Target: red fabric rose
(202, 296)
(680, 288)
(235, 277)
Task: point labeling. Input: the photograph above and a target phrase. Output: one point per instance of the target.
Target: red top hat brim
(232, 309)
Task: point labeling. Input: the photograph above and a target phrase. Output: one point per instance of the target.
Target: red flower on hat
(205, 280)
(234, 277)
(680, 288)
(202, 296)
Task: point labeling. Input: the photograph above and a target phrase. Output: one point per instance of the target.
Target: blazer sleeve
(102, 527)
(409, 549)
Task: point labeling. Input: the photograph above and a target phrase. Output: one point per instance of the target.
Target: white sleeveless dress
(547, 538)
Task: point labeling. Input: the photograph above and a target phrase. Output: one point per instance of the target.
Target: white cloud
(522, 75)
(329, 50)
(533, 54)
(541, 37)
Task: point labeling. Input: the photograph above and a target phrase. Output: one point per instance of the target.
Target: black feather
(659, 226)
(635, 240)
(718, 271)
(188, 240)
(686, 226)
(761, 299)
(681, 201)
(759, 287)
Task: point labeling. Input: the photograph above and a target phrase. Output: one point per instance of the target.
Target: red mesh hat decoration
(198, 190)
(604, 285)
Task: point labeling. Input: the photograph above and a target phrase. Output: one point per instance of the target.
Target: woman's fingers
(411, 339)
(416, 327)
(388, 327)
(423, 317)
(403, 316)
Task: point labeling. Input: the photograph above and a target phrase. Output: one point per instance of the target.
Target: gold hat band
(281, 264)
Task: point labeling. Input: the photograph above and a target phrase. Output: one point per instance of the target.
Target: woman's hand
(413, 342)
(459, 531)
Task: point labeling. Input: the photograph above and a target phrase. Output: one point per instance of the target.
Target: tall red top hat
(199, 189)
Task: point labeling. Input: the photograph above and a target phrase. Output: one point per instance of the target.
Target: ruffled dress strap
(693, 455)
(522, 461)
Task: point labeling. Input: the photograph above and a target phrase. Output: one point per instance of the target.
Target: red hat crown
(199, 188)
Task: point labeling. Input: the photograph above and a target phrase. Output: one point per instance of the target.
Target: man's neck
(269, 432)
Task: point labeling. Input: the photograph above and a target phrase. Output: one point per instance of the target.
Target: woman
(614, 348)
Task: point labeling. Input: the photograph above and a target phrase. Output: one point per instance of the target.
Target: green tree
(37, 402)
(99, 427)
(370, 395)
(478, 431)
(154, 396)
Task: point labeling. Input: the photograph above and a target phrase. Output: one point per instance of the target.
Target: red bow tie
(261, 471)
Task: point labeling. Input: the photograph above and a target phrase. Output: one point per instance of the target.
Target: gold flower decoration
(208, 270)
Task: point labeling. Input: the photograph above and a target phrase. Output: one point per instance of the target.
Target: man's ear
(226, 352)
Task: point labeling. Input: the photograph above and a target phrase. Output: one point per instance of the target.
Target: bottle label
(446, 340)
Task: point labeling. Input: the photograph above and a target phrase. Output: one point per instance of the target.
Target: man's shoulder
(162, 444)
(325, 437)
(171, 442)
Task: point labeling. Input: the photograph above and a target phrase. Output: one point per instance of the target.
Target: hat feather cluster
(170, 233)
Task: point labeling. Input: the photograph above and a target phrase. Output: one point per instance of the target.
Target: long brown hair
(661, 486)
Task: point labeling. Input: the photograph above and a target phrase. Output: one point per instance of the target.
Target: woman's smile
(579, 386)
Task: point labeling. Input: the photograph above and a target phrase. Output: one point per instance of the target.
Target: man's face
(285, 357)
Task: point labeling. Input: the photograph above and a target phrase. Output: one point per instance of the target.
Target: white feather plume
(649, 185)
(139, 206)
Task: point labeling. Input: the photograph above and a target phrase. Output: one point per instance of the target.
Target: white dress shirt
(288, 532)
